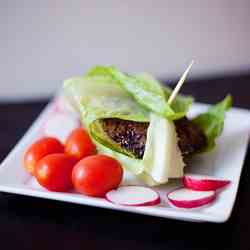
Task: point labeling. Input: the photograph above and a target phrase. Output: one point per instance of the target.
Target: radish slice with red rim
(187, 198)
(60, 125)
(133, 196)
(203, 182)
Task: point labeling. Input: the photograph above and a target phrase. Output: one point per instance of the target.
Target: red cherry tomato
(79, 144)
(54, 172)
(96, 175)
(39, 149)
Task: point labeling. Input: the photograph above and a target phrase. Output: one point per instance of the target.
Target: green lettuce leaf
(181, 103)
(147, 91)
(98, 97)
(212, 122)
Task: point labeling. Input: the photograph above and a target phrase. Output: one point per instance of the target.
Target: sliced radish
(187, 198)
(203, 183)
(133, 196)
(60, 125)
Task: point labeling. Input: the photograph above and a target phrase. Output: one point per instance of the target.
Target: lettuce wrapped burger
(128, 118)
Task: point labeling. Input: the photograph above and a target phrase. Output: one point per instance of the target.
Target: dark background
(32, 223)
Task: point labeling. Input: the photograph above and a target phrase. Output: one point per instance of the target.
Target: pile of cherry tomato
(75, 164)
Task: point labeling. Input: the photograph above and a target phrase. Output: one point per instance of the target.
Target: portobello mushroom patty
(132, 135)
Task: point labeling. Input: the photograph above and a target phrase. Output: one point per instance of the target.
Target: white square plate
(226, 161)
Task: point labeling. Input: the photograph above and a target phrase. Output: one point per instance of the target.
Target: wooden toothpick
(179, 84)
